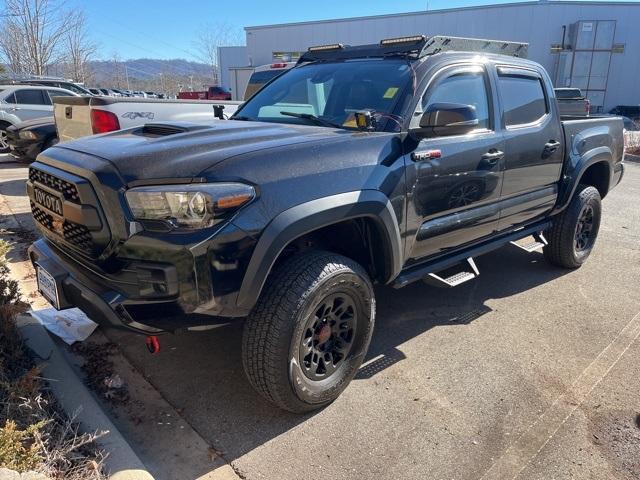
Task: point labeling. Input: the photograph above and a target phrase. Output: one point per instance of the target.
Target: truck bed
(593, 136)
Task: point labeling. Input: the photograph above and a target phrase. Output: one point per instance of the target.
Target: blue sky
(167, 28)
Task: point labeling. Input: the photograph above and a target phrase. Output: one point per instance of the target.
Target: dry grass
(632, 142)
(35, 434)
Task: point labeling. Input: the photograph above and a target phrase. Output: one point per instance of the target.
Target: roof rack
(416, 46)
(442, 43)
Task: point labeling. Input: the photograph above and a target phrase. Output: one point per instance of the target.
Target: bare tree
(12, 47)
(117, 72)
(212, 36)
(79, 48)
(32, 33)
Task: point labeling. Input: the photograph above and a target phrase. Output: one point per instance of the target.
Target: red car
(212, 93)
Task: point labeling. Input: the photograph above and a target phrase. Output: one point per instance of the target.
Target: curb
(121, 462)
(631, 158)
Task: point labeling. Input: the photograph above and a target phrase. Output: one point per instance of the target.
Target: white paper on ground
(70, 325)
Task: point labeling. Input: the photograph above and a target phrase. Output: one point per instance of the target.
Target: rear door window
(523, 98)
(31, 97)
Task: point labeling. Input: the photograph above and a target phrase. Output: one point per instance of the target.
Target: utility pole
(191, 83)
(126, 74)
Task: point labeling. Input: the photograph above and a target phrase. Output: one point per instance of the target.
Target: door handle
(551, 146)
(14, 109)
(492, 156)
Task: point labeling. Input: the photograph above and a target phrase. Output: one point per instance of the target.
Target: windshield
(333, 92)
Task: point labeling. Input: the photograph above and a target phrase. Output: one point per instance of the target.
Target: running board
(538, 243)
(457, 278)
(422, 270)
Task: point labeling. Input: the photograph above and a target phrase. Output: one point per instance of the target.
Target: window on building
(287, 56)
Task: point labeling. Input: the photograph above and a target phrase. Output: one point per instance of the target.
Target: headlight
(188, 207)
(28, 135)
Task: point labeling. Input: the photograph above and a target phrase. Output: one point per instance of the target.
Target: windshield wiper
(241, 117)
(312, 118)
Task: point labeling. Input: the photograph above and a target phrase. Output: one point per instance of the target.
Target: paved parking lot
(529, 372)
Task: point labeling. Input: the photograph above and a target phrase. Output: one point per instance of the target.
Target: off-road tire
(562, 250)
(271, 351)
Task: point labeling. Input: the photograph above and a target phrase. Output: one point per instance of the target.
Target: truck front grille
(82, 225)
(68, 190)
(73, 233)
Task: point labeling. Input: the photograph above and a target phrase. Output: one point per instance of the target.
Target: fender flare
(312, 215)
(571, 178)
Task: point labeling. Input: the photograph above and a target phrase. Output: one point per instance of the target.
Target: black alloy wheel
(328, 336)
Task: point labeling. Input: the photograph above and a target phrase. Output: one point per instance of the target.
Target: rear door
(29, 103)
(533, 144)
(454, 181)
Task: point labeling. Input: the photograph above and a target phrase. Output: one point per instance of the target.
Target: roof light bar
(400, 40)
(324, 48)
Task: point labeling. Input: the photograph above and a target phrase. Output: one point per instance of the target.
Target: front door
(454, 182)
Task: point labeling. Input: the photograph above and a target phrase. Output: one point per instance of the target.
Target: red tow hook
(153, 344)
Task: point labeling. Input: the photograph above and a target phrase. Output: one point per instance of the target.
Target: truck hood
(180, 150)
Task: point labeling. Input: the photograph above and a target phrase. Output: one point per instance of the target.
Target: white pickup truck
(81, 116)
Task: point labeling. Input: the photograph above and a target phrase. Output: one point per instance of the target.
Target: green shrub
(9, 291)
(18, 448)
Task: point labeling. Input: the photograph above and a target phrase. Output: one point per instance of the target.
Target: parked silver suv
(25, 102)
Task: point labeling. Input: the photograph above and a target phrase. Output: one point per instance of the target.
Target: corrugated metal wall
(538, 23)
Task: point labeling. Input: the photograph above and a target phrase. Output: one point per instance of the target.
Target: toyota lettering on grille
(48, 201)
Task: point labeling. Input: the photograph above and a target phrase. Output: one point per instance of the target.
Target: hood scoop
(165, 129)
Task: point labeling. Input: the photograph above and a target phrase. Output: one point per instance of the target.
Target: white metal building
(591, 45)
(230, 57)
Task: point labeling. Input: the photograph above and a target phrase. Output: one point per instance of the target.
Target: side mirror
(441, 119)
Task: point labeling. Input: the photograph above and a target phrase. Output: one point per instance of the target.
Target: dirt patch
(617, 435)
(99, 371)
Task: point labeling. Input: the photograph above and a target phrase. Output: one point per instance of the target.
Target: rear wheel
(574, 231)
(309, 331)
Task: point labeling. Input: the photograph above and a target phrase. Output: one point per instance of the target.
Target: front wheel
(309, 332)
(4, 141)
(574, 231)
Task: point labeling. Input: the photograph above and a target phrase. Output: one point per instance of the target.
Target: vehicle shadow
(16, 223)
(201, 374)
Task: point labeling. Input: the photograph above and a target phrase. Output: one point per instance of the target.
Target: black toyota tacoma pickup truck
(385, 163)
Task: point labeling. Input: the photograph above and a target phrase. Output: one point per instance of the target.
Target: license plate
(47, 287)
(49, 201)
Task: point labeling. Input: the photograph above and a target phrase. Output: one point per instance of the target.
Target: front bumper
(82, 288)
(24, 150)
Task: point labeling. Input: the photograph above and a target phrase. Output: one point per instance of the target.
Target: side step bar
(457, 278)
(538, 243)
(418, 272)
